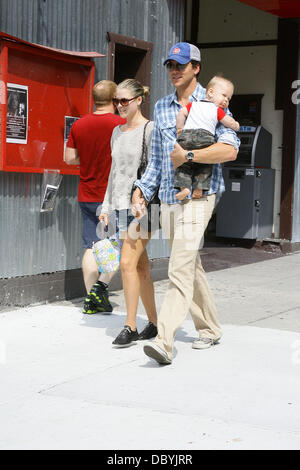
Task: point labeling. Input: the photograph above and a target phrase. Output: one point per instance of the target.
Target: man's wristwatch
(189, 156)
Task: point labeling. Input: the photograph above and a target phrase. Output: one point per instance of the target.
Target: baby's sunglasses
(176, 66)
(122, 101)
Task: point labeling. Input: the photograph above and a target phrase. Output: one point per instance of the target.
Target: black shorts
(90, 212)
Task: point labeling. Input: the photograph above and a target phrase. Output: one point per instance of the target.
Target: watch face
(189, 155)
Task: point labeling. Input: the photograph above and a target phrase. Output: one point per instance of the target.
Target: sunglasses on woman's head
(176, 66)
(122, 101)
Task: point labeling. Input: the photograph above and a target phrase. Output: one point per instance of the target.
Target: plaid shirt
(160, 169)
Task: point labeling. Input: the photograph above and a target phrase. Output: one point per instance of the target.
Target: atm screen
(246, 140)
(255, 148)
(245, 150)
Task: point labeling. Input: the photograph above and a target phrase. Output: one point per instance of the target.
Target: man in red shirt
(89, 146)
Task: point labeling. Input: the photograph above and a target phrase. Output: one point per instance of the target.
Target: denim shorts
(90, 212)
(123, 220)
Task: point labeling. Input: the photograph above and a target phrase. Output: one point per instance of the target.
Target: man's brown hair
(103, 92)
(195, 64)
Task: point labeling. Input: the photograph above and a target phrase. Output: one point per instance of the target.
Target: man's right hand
(138, 204)
(178, 156)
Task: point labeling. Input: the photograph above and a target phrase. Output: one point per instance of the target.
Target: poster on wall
(17, 114)
(69, 121)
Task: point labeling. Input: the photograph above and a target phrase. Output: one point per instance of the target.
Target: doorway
(130, 58)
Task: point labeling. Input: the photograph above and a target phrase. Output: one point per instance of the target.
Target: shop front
(255, 43)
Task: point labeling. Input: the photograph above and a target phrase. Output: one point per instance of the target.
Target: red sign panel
(41, 93)
(281, 8)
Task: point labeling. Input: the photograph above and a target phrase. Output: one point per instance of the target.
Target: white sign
(235, 186)
(17, 114)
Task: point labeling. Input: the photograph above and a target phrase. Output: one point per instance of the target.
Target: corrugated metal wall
(83, 25)
(31, 242)
(34, 242)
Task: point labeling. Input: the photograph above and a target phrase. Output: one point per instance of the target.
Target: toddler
(196, 126)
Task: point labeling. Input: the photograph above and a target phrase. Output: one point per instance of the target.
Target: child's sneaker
(97, 300)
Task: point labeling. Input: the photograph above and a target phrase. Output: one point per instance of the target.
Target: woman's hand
(104, 218)
(138, 204)
(139, 209)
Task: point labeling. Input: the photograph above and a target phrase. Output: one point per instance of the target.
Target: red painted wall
(282, 8)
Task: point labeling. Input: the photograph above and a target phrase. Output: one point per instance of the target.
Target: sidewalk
(63, 386)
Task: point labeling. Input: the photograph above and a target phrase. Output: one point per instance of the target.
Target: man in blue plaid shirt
(184, 222)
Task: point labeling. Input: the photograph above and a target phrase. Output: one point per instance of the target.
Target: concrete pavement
(63, 386)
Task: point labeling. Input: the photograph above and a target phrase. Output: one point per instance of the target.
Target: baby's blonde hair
(218, 79)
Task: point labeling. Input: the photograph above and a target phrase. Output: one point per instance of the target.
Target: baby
(196, 127)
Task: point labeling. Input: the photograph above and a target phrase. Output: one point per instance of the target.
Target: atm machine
(245, 209)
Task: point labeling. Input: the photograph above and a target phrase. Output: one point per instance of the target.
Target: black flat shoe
(126, 337)
(150, 331)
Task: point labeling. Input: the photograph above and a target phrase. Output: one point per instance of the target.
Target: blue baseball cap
(183, 52)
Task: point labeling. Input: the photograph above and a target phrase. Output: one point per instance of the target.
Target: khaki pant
(188, 290)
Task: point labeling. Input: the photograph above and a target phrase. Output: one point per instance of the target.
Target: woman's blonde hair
(135, 88)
